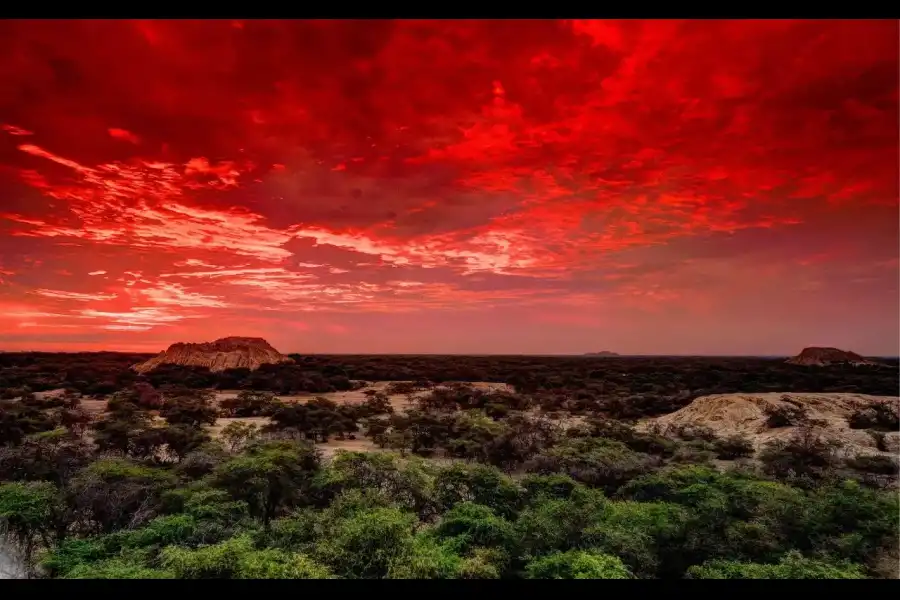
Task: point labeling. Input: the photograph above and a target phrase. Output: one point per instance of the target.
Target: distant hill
(820, 357)
(225, 353)
(602, 353)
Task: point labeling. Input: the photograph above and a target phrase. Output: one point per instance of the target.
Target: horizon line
(478, 354)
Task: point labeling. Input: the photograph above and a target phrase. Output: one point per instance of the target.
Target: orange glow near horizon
(537, 187)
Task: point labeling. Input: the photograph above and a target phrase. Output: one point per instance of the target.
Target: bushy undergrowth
(517, 492)
(274, 510)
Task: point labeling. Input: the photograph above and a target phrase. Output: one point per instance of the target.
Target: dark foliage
(784, 415)
(546, 479)
(882, 416)
(733, 447)
(249, 404)
(624, 387)
(317, 420)
(192, 408)
(806, 456)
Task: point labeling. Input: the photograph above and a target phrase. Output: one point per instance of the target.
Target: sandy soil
(94, 407)
(216, 430)
(400, 402)
(328, 449)
(744, 414)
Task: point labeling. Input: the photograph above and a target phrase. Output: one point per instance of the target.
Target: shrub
(249, 403)
(366, 543)
(194, 410)
(792, 566)
(783, 415)
(577, 564)
(875, 464)
(806, 455)
(732, 447)
(882, 416)
(424, 557)
(594, 461)
(478, 525)
(237, 434)
(112, 493)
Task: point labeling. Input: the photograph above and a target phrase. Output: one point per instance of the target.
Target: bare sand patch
(221, 423)
(745, 414)
(399, 402)
(360, 444)
(95, 408)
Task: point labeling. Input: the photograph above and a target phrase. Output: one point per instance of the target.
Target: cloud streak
(533, 186)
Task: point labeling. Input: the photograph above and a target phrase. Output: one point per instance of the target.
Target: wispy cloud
(81, 297)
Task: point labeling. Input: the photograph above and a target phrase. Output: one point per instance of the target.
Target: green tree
(366, 543)
(597, 462)
(409, 484)
(577, 564)
(269, 476)
(732, 515)
(424, 557)
(849, 521)
(476, 525)
(649, 537)
(117, 568)
(791, 566)
(555, 524)
(32, 512)
(276, 564)
(112, 493)
(238, 434)
(237, 558)
(476, 483)
(249, 403)
(193, 410)
(50, 456)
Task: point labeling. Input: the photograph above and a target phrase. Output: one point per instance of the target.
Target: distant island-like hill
(602, 353)
(226, 353)
(819, 357)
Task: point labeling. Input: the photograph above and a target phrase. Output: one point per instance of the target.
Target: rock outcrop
(225, 353)
(748, 415)
(828, 356)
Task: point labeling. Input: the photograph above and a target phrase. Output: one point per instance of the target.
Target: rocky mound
(828, 356)
(225, 353)
(749, 415)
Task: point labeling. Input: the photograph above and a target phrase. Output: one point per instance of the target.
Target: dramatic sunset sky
(539, 187)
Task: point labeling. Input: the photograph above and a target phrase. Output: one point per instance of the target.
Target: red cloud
(580, 173)
(125, 135)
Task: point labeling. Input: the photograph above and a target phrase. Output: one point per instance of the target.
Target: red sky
(659, 187)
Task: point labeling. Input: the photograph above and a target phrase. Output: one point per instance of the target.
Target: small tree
(32, 512)
(113, 493)
(792, 566)
(250, 403)
(577, 564)
(193, 411)
(269, 476)
(732, 447)
(52, 455)
(366, 543)
(237, 434)
(806, 455)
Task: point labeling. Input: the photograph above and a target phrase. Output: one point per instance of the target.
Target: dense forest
(549, 478)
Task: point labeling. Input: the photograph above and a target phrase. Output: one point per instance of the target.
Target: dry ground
(745, 414)
(399, 402)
